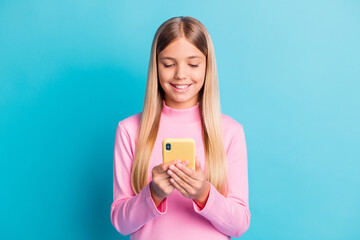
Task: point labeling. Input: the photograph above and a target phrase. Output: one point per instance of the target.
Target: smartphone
(179, 148)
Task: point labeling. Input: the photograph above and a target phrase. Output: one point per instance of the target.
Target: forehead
(181, 49)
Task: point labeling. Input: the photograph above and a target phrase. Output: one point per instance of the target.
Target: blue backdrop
(288, 72)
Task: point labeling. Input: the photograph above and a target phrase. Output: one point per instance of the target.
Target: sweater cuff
(161, 209)
(209, 203)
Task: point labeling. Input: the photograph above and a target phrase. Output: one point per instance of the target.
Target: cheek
(199, 75)
(164, 75)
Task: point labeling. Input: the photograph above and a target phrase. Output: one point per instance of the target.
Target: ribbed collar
(188, 115)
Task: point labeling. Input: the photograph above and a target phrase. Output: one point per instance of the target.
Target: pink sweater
(178, 217)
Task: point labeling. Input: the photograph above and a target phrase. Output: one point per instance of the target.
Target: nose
(180, 72)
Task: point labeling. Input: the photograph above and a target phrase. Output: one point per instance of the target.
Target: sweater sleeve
(231, 215)
(129, 212)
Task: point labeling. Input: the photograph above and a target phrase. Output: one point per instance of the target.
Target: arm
(230, 215)
(129, 212)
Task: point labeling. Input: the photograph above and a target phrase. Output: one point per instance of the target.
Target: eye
(193, 65)
(168, 65)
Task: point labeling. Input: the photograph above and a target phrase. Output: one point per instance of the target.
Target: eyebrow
(174, 58)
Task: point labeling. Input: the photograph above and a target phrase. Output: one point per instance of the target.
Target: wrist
(202, 199)
(157, 200)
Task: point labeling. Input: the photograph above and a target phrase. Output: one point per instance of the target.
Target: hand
(191, 184)
(160, 185)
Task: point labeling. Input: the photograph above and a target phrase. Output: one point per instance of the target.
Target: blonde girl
(156, 200)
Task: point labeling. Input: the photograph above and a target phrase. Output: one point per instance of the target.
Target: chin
(180, 100)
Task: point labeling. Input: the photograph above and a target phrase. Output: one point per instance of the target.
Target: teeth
(181, 86)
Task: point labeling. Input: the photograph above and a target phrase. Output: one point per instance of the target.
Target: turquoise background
(288, 72)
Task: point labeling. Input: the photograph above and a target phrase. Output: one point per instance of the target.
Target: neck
(175, 105)
(186, 115)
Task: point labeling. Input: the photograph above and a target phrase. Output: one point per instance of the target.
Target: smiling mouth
(180, 86)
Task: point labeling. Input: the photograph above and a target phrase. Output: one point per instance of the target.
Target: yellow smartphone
(179, 148)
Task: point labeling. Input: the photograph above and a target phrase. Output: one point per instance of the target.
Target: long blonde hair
(209, 105)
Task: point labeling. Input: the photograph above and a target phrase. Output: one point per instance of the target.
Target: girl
(153, 200)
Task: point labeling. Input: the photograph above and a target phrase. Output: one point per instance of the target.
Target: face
(181, 69)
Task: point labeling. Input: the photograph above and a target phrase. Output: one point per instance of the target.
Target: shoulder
(231, 130)
(230, 124)
(130, 124)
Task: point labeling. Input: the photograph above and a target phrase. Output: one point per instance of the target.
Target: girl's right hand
(160, 185)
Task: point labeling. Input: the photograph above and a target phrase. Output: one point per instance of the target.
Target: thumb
(197, 163)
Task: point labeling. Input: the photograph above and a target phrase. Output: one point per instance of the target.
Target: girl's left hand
(192, 184)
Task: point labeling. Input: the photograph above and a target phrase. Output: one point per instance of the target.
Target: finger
(164, 183)
(186, 172)
(179, 188)
(182, 179)
(163, 176)
(168, 183)
(165, 166)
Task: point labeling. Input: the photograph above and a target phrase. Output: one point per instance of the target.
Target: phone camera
(168, 146)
